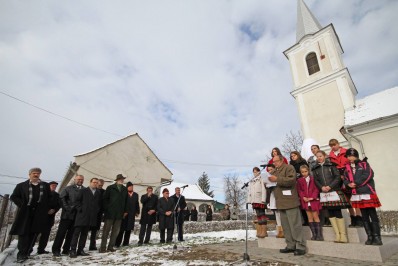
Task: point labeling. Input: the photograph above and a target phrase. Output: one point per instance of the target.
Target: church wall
(380, 147)
(324, 113)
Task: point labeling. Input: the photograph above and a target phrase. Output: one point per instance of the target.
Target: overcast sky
(202, 82)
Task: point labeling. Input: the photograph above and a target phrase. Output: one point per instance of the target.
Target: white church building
(326, 98)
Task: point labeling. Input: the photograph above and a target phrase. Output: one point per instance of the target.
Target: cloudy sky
(204, 83)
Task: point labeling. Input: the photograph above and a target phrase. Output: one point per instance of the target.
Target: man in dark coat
(114, 199)
(132, 211)
(149, 203)
(165, 209)
(88, 204)
(54, 206)
(96, 228)
(65, 228)
(179, 200)
(32, 198)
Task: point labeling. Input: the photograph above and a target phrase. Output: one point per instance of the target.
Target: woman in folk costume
(327, 179)
(256, 197)
(358, 176)
(309, 199)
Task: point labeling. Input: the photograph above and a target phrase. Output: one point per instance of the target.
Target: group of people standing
(83, 211)
(306, 188)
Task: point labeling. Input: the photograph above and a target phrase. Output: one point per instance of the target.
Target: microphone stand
(177, 217)
(246, 254)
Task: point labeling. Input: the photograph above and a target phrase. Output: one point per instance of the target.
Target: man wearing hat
(32, 197)
(132, 211)
(55, 205)
(114, 203)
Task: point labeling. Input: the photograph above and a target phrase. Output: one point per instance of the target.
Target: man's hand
(151, 212)
(305, 199)
(324, 189)
(272, 178)
(168, 213)
(125, 214)
(136, 215)
(52, 211)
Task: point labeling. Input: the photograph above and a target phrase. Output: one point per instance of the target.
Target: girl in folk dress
(327, 179)
(358, 176)
(256, 197)
(309, 198)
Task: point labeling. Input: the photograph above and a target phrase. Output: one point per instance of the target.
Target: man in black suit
(132, 211)
(55, 205)
(32, 198)
(88, 204)
(148, 216)
(165, 209)
(179, 212)
(65, 228)
(96, 228)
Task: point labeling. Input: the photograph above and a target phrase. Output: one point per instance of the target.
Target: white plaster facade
(328, 107)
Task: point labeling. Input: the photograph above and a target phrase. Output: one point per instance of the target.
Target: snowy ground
(153, 254)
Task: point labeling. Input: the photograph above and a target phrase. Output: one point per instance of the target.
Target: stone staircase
(354, 250)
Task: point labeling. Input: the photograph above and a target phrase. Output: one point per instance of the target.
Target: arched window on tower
(312, 63)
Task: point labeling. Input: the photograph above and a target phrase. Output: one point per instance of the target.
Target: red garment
(310, 191)
(374, 202)
(340, 160)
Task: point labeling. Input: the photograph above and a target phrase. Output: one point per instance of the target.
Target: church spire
(306, 21)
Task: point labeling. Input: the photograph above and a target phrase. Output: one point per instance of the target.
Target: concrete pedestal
(355, 249)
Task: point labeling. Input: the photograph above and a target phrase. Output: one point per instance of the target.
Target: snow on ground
(153, 254)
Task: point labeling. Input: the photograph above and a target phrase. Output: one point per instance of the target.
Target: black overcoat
(55, 204)
(30, 220)
(148, 203)
(68, 199)
(182, 205)
(87, 207)
(194, 215)
(132, 208)
(164, 206)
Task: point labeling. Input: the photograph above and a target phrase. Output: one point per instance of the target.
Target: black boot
(353, 221)
(368, 229)
(376, 234)
(319, 234)
(312, 227)
(359, 221)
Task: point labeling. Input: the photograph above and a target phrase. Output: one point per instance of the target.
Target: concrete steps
(355, 249)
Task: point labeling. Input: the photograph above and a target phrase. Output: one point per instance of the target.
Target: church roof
(306, 21)
(192, 192)
(372, 107)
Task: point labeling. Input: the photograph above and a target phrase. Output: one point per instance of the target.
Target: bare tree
(233, 192)
(293, 142)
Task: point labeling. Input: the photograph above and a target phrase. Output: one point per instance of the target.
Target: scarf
(31, 192)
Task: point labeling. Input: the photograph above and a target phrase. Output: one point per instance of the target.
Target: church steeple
(306, 21)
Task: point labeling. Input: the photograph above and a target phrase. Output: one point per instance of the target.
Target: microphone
(245, 185)
(184, 186)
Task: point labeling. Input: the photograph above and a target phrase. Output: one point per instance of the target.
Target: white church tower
(323, 87)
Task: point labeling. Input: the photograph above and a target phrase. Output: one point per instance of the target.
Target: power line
(58, 115)
(115, 134)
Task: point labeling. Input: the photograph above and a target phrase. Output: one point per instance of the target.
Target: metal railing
(7, 215)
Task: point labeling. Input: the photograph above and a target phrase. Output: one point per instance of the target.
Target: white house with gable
(194, 195)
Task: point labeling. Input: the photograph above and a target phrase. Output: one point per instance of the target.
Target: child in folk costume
(327, 179)
(270, 200)
(309, 199)
(256, 197)
(358, 176)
